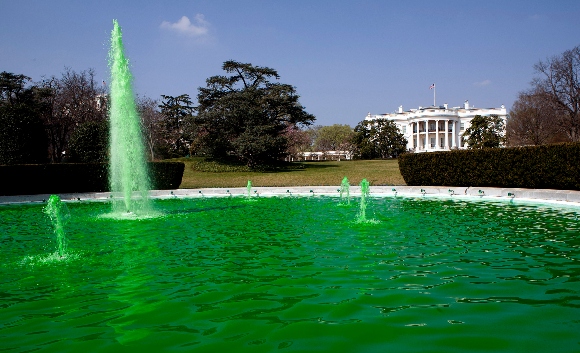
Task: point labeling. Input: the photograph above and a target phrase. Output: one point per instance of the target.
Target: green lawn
(377, 172)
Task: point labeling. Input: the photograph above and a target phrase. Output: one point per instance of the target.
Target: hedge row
(29, 179)
(538, 167)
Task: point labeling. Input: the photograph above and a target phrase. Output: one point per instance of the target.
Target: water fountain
(59, 215)
(364, 197)
(249, 188)
(128, 175)
(344, 192)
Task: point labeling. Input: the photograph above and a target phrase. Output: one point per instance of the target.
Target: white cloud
(199, 28)
(482, 83)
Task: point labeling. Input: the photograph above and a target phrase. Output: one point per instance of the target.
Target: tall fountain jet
(128, 174)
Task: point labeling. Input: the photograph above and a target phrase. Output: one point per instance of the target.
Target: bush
(166, 175)
(539, 167)
(29, 179)
(22, 135)
(89, 143)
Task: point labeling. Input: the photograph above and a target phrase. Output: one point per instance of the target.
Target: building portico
(440, 128)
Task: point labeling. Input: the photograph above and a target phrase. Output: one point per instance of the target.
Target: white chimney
(466, 104)
(445, 106)
(400, 109)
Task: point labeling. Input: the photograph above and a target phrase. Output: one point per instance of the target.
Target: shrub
(28, 179)
(542, 167)
(89, 143)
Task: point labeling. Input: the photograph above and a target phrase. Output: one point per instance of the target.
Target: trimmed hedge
(30, 179)
(166, 175)
(538, 167)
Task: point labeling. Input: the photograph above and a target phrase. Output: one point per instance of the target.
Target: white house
(430, 129)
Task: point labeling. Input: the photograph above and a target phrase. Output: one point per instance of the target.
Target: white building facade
(440, 128)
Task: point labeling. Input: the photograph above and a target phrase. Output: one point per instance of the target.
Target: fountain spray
(345, 191)
(128, 173)
(364, 194)
(58, 214)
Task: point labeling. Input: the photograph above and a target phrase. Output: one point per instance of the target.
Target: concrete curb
(569, 197)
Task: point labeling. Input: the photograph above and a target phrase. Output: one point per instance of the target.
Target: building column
(418, 135)
(447, 134)
(426, 135)
(410, 143)
(453, 133)
(437, 134)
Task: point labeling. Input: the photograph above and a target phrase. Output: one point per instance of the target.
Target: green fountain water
(364, 195)
(249, 187)
(345, 192)
(295, 275)
(58, 214)
(128, 174)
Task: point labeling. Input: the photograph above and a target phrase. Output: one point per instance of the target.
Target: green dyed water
(345, 191)
(128, 175)
(58, 213)
(249, 188)
(294, 274)
(365, 194)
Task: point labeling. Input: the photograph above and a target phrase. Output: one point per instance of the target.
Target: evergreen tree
(485, 132)
(378, 138)
(245, 115)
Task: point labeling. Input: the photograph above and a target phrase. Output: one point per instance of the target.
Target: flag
(432, 86)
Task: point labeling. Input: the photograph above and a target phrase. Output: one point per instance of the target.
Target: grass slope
(377, 172)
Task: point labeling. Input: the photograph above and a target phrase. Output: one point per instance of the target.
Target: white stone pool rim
(562, 197)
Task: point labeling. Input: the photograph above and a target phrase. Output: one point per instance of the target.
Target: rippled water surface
(295, 275)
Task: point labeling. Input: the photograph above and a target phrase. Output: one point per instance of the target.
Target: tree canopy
(559, 77)
(485, 132)
(175, 126)
(335, 137)
(379, 138)
(245, 114)
(533, 120)
(22, 135)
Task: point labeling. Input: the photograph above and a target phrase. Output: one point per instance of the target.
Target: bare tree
(151, 121)
(560, 78)
(534, 120)
(299, 141)
(73, 99)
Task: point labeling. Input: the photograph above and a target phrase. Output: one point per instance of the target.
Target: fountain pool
(293, 274)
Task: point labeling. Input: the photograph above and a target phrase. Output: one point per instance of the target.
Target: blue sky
(345, 58)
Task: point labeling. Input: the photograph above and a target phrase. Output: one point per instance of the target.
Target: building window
(462, 127)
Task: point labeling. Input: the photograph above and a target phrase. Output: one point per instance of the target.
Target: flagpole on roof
(433, 88)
